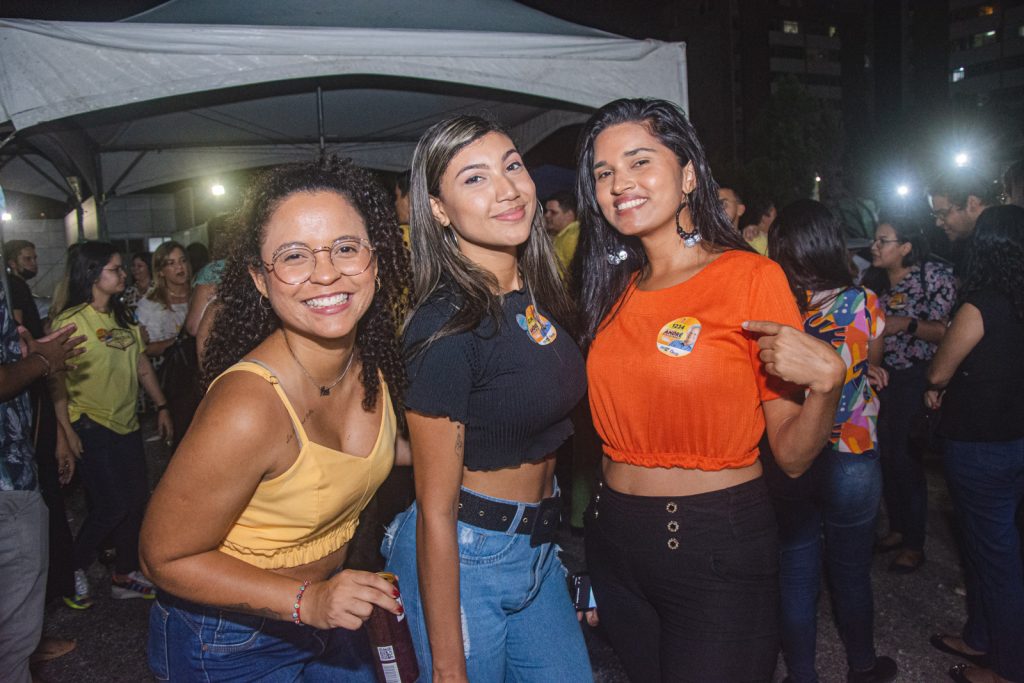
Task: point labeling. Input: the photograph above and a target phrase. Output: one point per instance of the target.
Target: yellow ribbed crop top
(311, 509)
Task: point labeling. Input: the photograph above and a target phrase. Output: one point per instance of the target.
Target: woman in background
(96, 407)
(976, 377)
(917, 296)
(838, 496)
(142, 279)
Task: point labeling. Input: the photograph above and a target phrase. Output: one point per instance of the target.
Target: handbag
(179, 371)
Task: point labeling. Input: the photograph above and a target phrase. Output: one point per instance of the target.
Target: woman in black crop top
(977, 376)
(493, 377)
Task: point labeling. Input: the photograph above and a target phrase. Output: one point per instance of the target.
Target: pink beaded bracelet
(297, 607)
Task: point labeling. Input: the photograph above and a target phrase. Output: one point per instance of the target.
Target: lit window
(986, 11)
(982, 39)
(958, 74)
(1020, 31)
(832, 31)
(791, 27)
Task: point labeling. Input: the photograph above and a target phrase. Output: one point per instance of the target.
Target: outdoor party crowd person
(757, 406)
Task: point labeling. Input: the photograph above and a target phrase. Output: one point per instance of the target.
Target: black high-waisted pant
(687, 587)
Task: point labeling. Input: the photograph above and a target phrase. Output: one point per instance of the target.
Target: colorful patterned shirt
(848, 320)
(925, 295)
(17, 458)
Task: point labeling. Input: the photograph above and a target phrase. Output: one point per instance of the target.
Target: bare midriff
(635, 480)
(529, 482)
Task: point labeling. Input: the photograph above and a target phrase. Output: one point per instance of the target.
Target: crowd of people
(739, 399)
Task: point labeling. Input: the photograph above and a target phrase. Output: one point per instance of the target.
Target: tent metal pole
(120, 178)
(101, 199)
(320, 116)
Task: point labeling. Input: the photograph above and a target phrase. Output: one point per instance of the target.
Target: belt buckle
(547, 516)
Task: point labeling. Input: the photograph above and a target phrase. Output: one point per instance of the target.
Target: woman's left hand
(165, 426)
(798, 357)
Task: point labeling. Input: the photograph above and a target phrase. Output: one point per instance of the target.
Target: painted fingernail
(394, 593)
(401, 610)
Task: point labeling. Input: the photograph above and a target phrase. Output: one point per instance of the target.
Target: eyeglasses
(881, 241)
(942, 214)
(293, 263)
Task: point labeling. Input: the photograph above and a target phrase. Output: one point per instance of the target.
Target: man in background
(957, 199)
(759, 216)
(732, 204)
(561, 223)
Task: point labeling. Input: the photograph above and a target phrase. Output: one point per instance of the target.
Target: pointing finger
(762, 326)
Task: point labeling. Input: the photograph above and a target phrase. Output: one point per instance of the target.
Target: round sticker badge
(539, 328)
(678, 337)
(898, 301)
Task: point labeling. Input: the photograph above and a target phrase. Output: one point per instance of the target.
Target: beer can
(392, 643)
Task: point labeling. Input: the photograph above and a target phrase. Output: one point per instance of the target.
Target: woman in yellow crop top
(694, 350)
(247, 532)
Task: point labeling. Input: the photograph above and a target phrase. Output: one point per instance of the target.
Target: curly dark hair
(242, 321)
(602, 283)
(995, 256)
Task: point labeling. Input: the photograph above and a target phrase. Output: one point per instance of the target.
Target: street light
(6, 216)
(902, 190)
(961, 159)
(217, 190)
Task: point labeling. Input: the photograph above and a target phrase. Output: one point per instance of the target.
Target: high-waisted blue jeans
(837, 498)
(518, 622)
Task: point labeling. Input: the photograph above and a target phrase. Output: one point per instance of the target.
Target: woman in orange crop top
(246, 533)
(694, 350)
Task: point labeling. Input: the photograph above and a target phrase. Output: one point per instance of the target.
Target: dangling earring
(690, 239)
(617, 255)
(265, 306)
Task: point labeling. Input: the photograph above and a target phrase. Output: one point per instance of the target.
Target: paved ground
(111, 636)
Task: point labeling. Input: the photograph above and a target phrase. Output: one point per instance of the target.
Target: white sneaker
(134, 586)
(81, 599)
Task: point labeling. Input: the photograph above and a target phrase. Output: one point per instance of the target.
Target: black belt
(538, 521)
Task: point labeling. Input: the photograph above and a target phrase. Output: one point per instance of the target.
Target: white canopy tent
(199, 87)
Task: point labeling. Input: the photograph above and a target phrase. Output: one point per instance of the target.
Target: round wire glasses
(295, 263)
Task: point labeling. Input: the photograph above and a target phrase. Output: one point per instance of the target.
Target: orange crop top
(674, 379)
(312, 509)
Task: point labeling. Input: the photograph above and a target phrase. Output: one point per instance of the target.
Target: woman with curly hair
(696, 349)
(293, 438)
(493, 377)
(976, 377)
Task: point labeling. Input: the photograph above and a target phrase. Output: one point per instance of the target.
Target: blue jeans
(839, 497)
(986, 480)
(518, 623)
(906, 490)
(192, 642)
(113, 471)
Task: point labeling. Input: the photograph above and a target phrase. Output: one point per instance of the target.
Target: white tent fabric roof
(158, 102)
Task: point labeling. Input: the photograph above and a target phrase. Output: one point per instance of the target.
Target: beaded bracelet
(297, 607)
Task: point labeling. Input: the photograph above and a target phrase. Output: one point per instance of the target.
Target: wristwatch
(912, 327)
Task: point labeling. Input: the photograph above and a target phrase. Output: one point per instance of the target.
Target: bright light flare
(903, 190)
(961, 159)
(217, 190)
(817, 178)
(5, 216)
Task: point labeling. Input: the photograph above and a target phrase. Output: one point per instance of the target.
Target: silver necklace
(325, 389)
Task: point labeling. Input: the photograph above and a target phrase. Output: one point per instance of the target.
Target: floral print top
(849, 320)
(927, 294)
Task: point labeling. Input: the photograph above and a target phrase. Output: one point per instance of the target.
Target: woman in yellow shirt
(294, 436)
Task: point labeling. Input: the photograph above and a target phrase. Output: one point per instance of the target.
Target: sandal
(938, 641)
(51, 648)
(907, 562)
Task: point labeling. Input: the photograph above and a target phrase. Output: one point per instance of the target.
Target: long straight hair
(602, 282)
(85, 266)
(161, 256)
(807, 241)
(436, 259)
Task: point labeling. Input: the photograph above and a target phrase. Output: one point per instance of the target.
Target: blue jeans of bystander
(986, 480)
(837, 497)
